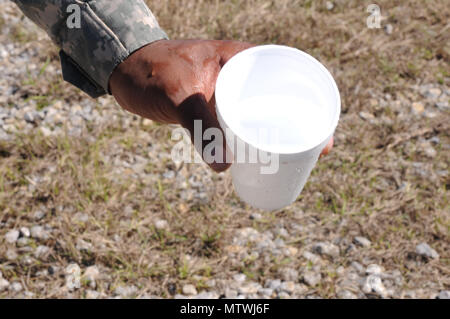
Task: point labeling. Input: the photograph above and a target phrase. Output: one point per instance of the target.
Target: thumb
(229, 49)
(204, 128)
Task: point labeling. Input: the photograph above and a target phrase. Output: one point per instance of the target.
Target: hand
(174, 82)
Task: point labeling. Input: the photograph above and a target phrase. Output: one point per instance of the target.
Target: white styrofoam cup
(288, 95)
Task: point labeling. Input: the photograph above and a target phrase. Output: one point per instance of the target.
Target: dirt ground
(89, 194)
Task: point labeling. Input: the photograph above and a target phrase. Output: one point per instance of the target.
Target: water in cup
(304, 125)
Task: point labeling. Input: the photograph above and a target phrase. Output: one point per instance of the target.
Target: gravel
(25, 232)
(426, 251)
(362, 241)
(374, 270)
(358, 267)
(161, 224)
(273, 284)
(189, 290)
(4, 284)
(41, 252)
(432, 93)
(329, 5)
(388, 28)
(312, 278)
(73, 276)
(16, 287)
(92, 294)
(373, 285)
(288, 286)
(345, 294)
(326, 249)
(23, 242)
(12, 236)
(266, 292)
(240, 278)
(444, 294)
(91, 274)
(126, 291)
(11, 255)
(39, 232)
(38, 215)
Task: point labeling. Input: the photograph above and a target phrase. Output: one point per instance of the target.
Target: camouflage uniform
(107, 33)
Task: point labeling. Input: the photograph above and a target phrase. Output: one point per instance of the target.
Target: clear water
(282, 124)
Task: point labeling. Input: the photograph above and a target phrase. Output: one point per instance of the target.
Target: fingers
(229, 49)
(198, 115)
(328, 148)
(204, 128)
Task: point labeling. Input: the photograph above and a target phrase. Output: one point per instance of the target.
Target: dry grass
(357, 190)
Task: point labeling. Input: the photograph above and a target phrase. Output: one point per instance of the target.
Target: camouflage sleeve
(94, 36)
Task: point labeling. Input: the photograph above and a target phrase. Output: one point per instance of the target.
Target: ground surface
(89, 192)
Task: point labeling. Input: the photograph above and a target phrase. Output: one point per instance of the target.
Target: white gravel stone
(25, 232)
(16, 287)
(249, 288)
(23, 241)
(312, 278)
(39, 232)
(288, 286)
(161, 224)
(358, 267)
(374, 285)
(4, 284)
(290, 274)
(312, 257)
(367, 116)
(83, 245)
(418, 108)
(38, 215)
(11, 255)
(444, 294)
(73, 276)
(42, 273)
(207, 295)
(189, 290)
(329, 5)
(81, 217)
(283, 295)
(345, 294)
(443, 106)
(256, 216)
(230, 293)
(326, 249)
(388, 29)
(266, 292)
(432, 93)
(92, 294)
(374, 269)
(12, 236)
(426, 251)
(41, 251)
(362, 241)
(273, 284)
(91, 274)
(240, 278)
(126, 291)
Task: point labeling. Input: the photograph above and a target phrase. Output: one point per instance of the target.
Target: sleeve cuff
(109, 32)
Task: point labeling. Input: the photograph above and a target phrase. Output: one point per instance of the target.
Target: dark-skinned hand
(173, 81)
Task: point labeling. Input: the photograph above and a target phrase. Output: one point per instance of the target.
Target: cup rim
(219, 92)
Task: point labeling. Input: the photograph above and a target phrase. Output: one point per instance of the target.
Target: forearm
(107, 33)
